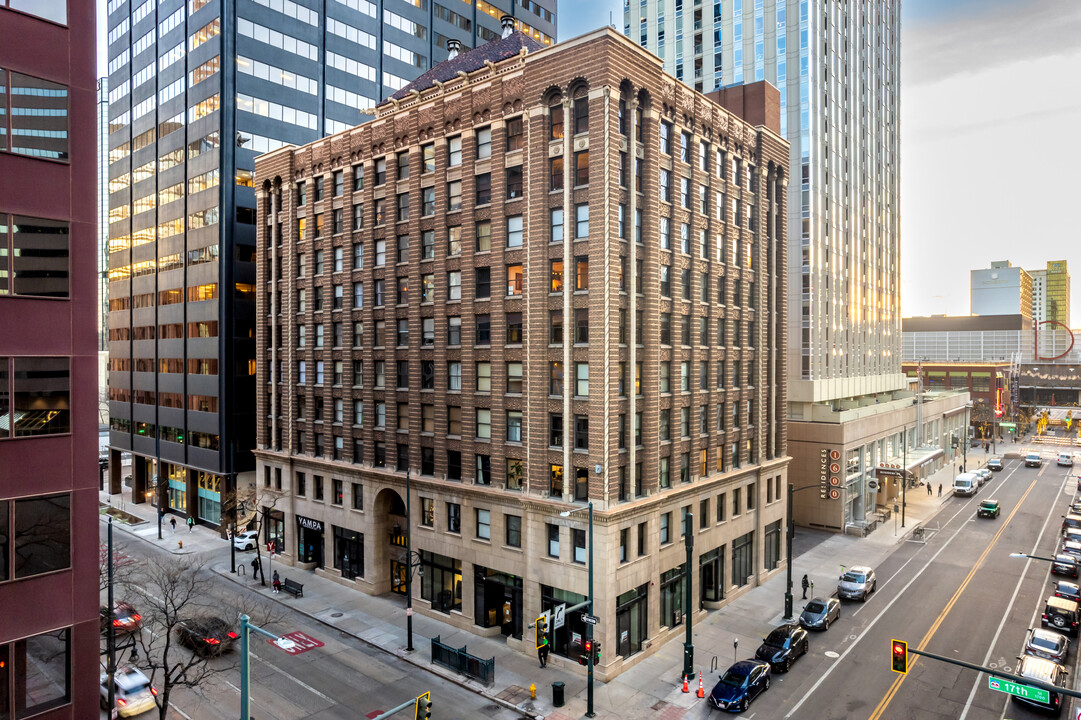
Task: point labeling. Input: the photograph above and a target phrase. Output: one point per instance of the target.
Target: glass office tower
(198, 88)
(838, 71)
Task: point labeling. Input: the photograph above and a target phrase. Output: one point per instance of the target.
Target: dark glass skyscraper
(198, 88)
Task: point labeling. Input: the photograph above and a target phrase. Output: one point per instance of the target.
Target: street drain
(336, 614)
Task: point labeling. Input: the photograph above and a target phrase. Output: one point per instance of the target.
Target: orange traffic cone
(685, 688)
(701, 690)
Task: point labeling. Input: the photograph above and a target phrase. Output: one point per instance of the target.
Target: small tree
(168, 593)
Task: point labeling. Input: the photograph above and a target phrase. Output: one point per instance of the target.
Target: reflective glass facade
(181, 206)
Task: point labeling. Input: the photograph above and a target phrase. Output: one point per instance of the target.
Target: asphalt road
(343, 679)
(959, 594)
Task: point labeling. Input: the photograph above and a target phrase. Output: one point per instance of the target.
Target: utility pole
(409, 565)
(110, 635)
(688, 645)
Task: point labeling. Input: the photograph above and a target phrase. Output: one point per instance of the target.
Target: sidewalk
(650, 689)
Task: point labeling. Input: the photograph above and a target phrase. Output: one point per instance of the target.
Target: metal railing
(460, 661)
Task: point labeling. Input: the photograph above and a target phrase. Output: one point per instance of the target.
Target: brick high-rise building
(197, 89)
(49, 627)
(541, 277)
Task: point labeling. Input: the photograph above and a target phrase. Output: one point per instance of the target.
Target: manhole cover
(336, 614)
(830, 654)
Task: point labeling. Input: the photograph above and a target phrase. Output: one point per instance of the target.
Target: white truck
(966, 484)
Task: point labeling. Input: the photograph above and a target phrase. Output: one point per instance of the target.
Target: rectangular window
(484, 283)
(581, 379)
(38, 112)
(454, 285)
(427, 512)
(581, 432)
(581, 168)
(454, 517)
(484, 377)
(514, 328)
(454, 151)
(427, 158)
(581, 115)
(556, 225)
(515, 234)
(484, 524)
(484, 143)
(514, 182)
(514, 426)
(555, 430)
(484, 236)
(665, 534)
(555, 173)
(581, 227)
(515, 134)
(514, 530)
(515, 280)
(581, 272)
(454, 196)
(484, 330)
(34, 253)
(553, 540)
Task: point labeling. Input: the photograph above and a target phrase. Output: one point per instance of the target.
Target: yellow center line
(949, 606)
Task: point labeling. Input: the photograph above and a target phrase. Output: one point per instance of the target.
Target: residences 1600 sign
(829, 480)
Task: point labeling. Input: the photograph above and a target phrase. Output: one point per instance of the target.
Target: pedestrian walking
(255, 567)
(542, 651)
(277, 582)
(940, 489)
(191, 523)
(172, 523)
(928, 488)
(805, 583)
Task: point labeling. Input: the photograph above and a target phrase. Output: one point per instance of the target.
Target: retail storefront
(177, 477)
(441, 583)
(348, 552)
(209, 497)
(632, 621)
(497, 600)
(672, 584)
(310, 538)
(711, 576)
(566, 640)
(274, 528)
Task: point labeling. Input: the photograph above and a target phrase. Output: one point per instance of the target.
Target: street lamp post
(409, 565)
(904, 472)
(790, 534)
(688, 645)
(246, 628)
(589, 601)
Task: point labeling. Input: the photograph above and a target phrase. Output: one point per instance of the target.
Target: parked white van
(1066, 459)
(966, 484)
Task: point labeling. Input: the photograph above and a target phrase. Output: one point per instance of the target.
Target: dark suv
(1046, 671)
(1061, 614)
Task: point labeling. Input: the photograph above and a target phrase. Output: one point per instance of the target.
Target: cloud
(978, 37)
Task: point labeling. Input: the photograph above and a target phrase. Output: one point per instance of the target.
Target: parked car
(1065, 565)
(1065, 459)
(819, 613)
(1072, 534)
(1066, 590)
(988, 509)
(782, 646)
(1071, 521)
(1075, 507)
(1060, 614)
(133, 692)
(994, 464)
(123, 618)
(1047, 644)
(857, 583)
(984, 475)
(1070, 547)
(1033, 460)
(246, 540)
(207, 636)
(739, 685)
(1047, 671)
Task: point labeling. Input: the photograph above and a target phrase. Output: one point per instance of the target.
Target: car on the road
(1075, 507)
(988, 509)
(857, 583)
(820, 612)
(739, 685)
(207, 636)
(782, 646)
(123, 618)
(133, 692)
(246, 540)
(984, 475)
(1046, 671)
(994, 464)
(1072, 534)
(1066, 590)
(1064, 565)
(1047, 644)
(966, 484)
(1033, 460)
(1070, 547)
(1071, 521)
(1065, 459)
(1060, 614)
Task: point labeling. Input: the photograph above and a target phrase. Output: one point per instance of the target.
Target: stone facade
(442, 398)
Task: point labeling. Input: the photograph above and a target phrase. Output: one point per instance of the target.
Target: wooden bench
(293, 588)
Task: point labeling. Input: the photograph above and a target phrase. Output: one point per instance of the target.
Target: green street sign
(1008, 426)
(1022, 691)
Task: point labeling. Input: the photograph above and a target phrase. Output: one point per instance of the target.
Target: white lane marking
(301, 683)
(1002, 622)
(882, 614)
(174, 707)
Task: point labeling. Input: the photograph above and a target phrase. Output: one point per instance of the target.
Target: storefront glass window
(632, 624)
(209, 497)
(672, 597)
(773, 544)
(567, 640)
(497, 600)
(441, 584)
(711, 575)
(348, 552)
(743, 559)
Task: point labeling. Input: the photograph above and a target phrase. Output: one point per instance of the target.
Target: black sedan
(819, 613)
(739, 685)
(207, 636)
(1067, 590)
(782, 646)
(1065, 565)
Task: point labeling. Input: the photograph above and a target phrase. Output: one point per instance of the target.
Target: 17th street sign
(1022, 691)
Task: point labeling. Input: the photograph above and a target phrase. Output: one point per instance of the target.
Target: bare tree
(123, 566)
(168, 593)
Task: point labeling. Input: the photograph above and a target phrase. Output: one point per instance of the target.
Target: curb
(412, 659)
(129, 531)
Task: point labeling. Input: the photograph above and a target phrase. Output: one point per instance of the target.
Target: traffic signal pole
(1020, 680)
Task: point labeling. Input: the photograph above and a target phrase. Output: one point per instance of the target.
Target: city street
(344, 679)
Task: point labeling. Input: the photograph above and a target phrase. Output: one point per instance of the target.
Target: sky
(989, 150)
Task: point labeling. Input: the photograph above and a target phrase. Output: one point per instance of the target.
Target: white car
(134, 693)
(246, 540)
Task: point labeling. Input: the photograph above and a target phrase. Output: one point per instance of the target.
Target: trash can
(557, 694)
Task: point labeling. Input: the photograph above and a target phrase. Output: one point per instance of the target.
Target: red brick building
(541, 277)
(48, 361)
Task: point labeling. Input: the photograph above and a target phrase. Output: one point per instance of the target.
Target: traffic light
(588, 646)
(899, 656)
(542, 630)
(424, 707)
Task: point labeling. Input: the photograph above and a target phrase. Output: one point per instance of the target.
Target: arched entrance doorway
(389, 542)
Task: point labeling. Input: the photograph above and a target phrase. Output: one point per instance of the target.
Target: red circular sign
(835, 468)
(834, 494)
(834, 480)
(835, 454)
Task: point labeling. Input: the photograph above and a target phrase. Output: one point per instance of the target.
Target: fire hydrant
(532, 691)
(180, 543)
